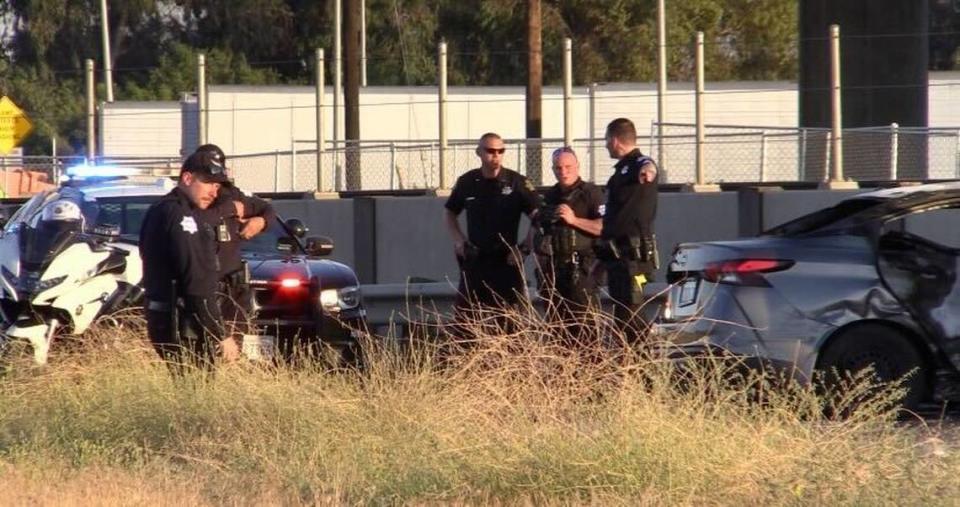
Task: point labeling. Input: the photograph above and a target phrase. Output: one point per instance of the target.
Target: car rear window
(823, 218)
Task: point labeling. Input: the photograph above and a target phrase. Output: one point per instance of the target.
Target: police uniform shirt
(586, 201)
(177, 244)
(631, 204)
(223, 212)
(493, 205)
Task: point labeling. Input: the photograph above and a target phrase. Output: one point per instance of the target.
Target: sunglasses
(498, 151)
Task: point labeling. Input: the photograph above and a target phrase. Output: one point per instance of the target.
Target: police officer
(180, 266)
(235, 217)
(628, 245)
(568, 225)
(494, 197)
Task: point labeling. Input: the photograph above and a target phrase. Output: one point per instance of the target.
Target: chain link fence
(732, 154)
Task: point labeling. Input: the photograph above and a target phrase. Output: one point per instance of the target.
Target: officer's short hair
(561, 150)
(623, 130)
(488, 136)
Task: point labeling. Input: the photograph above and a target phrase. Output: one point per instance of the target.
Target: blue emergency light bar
(101, 172)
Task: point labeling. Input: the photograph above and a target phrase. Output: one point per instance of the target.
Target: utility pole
(351, 45)
(534, 92)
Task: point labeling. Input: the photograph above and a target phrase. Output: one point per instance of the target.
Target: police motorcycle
(60, 270)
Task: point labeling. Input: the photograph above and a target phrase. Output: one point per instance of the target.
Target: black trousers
(490, 282)
(236, 306)
(570, 293)
(569, 286)
(627, 295)
(184, 342)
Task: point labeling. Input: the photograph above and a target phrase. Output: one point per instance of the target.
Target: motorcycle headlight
(335, 300)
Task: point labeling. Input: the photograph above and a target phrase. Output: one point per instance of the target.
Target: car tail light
(744, 271)
(290, 283)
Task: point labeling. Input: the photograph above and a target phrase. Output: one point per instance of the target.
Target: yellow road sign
(14, 126)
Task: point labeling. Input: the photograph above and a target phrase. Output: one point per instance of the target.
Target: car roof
(936, 190)
(101, 190)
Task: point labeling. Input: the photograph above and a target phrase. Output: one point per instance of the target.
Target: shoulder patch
(189, 225)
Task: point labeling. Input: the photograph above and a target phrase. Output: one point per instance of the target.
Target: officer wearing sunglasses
(494, 198)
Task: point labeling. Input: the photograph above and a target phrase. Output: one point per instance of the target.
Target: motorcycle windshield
(41, 244)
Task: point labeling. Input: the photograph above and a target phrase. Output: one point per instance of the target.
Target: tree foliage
(154, 44)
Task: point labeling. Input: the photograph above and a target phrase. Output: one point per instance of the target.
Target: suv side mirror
(297, 227)
(319, 246)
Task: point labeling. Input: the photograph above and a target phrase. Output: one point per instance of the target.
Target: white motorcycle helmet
(61, 211)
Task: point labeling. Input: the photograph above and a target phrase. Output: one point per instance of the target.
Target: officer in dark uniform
(567, 226)
(494, 197)
(235, 217)
(628, 244)
(180, 266)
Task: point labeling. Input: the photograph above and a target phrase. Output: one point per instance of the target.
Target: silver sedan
(871, 281)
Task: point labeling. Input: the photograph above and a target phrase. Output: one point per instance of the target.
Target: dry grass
(516, 418)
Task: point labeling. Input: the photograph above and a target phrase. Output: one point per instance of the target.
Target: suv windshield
(266, 241)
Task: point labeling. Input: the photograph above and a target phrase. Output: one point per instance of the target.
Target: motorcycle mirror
(319, 246)
(297, 227)
(109, 231)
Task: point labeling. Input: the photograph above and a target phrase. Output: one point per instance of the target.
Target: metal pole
(661, 79)
(337, 81)
(826, 151)
(363, 43)
(894, 149)
(105, 32)
(276, 171)
(957, 174)
(520, 146)
(836, 144)
(442, 109)
(567, 91)
(320, 133)
(53, 160)
(701, 178)
(802, 163)
(201, 99)
(393, 165)
(91, 113)
(293, 163)
(763, 156)
(593, 123)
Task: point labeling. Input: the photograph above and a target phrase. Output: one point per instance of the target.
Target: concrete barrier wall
(394, 239)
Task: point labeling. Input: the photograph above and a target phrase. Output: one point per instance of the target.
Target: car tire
(891, 354)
